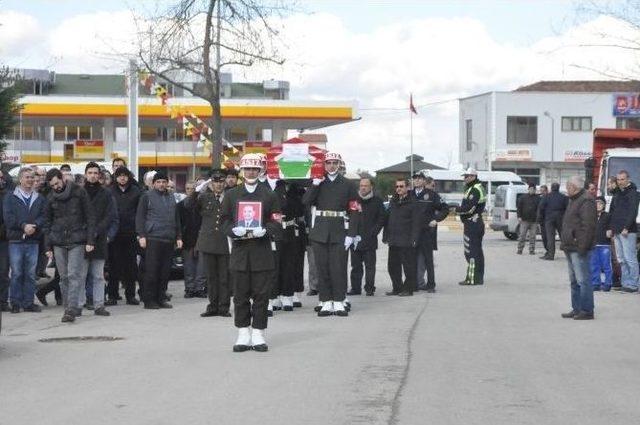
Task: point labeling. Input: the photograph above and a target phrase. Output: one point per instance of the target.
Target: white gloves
(348, 240)
(239, 231)
(259, 232)
(202, 185)
(316, 182)
(356, 241)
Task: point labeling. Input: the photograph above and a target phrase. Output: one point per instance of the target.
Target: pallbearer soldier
(292, 246)
(251, 216)
(470, 211)
(213, 244)
(334, 223)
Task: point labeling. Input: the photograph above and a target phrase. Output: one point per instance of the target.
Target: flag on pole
(411, 107)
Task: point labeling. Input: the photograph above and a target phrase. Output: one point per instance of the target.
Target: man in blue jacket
(623, 229)
(23, 212)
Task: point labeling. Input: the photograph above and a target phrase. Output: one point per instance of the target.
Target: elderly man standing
(623, 229)
(577, 240)
(69, 230)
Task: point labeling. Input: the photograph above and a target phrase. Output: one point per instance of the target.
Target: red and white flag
(411, 107)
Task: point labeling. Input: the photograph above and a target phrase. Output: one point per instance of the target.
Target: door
(68, 153)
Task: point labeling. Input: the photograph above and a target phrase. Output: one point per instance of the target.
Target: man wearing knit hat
(158, 229)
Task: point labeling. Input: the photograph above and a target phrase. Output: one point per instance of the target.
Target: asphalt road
(497, 354)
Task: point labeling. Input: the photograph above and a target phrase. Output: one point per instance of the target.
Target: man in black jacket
(433, 211)
(372, 219)
(624, 230)
(123, 249)
(213, 244)
(552, 209)
(6, 187)
(159, 232)
(527, 210)
(251, 261)
(401, 233)
(577, 241)
(335, 200)
(69, 230)
(190, 219)
(106, 215)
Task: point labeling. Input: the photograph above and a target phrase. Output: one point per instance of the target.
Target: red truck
(613, 150)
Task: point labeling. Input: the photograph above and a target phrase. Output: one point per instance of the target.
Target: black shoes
(68, 316)
(287, 308)
(151, 306)
(312, 293)
(42, 297)
(164, 304)
(431, 290)
(569, 315)
(369, 293)
(201, 294)
(112, 301)
(391, 293)
(132, 301)
(189, 294)
(352, 292)
(325, 313)
(470, 283)
(405, 294)
(261, 348)
(224, 314)
(628, 290)
(546, 257)
(15, 308)
(519, 252)
(583, 315)
(297, 304)
(209, 313)
(5, 307)
(239, 348)
(101, 311)
(32, 308)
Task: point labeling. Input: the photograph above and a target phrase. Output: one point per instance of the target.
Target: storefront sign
(513, 155)
(12, 157)
(256, 147)
(626, 105)
(88, 149)
(576, 155)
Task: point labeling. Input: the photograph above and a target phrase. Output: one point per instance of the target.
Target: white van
(504, 217)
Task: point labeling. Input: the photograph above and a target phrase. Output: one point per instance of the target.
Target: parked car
(504, 216)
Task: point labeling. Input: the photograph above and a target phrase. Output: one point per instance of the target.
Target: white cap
(470, 172)
(251, 160)
(332, 156)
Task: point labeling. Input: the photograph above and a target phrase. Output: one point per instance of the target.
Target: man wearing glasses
(623, 229)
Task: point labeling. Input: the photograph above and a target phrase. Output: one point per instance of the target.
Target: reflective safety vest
(483, 196)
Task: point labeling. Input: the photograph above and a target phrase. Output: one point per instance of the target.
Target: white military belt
(289, 223)
(326, 213)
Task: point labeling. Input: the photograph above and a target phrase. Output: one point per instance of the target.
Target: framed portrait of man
(249, 214)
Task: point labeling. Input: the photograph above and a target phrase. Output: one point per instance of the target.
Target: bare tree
(196, 39)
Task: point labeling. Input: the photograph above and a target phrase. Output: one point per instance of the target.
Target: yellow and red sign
(88, 149)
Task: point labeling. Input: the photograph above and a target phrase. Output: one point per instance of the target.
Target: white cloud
(18, 34)
(434, 58)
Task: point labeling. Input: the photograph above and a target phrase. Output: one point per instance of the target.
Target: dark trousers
(402, 259)
(473, 234)
(425, 263)
(368, 259)
(216, 268)
(331, 264)
(551, 227)
(157, 267)
(292, 267)
(543, 232)
(4, 272)
(122, 266)
(251, 286)
(274, 277)
(41, 266)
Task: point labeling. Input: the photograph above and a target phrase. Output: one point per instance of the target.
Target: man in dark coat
(159, 233)
(434, 210)
(335, 200)
(190, 219)
(624, 230)
(213, 244)
(69, 231)
(402, 233)
(251, 261)
(292, 245)
(106, 215)
(372, 219)
(527, 210)
(124, 247)
(552, 209)
(6, 187)
(577, 241)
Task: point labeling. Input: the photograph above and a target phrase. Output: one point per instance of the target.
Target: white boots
(250, 339)
(257, 340)
(339, 309)
(296, 300)
(287, 303)
(243, 343)
(327, 309)
(277, 304)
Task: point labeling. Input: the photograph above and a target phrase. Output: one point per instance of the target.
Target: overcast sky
(371, 52)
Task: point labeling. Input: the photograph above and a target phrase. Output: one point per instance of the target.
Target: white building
(543, 131)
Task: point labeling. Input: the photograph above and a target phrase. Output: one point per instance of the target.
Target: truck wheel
(511, 236)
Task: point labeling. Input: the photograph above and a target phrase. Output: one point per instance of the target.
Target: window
(72, 134)
(469, 134)
(148, 134)
(522, 129)
(84, 133)
(576, 123)
(59, 133)
(628, 123)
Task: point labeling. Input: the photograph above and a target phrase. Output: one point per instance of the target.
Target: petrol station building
(81, 117)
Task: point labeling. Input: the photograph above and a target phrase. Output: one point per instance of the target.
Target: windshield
(631, 165)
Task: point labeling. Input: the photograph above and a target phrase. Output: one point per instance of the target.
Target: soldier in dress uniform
(292, 246)
(470, 211)
(251, 262)
(334, 223)
(212, 243)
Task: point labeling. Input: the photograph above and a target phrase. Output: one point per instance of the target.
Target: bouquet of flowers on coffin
(248, 223)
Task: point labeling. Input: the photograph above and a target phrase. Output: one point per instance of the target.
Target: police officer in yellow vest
(470, 211)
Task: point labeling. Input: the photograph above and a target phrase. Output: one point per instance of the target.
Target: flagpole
(411, 141)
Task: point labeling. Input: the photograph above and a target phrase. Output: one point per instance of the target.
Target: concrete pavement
(465, 355)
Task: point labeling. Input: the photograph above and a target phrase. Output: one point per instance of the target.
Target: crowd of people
(600, 245)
